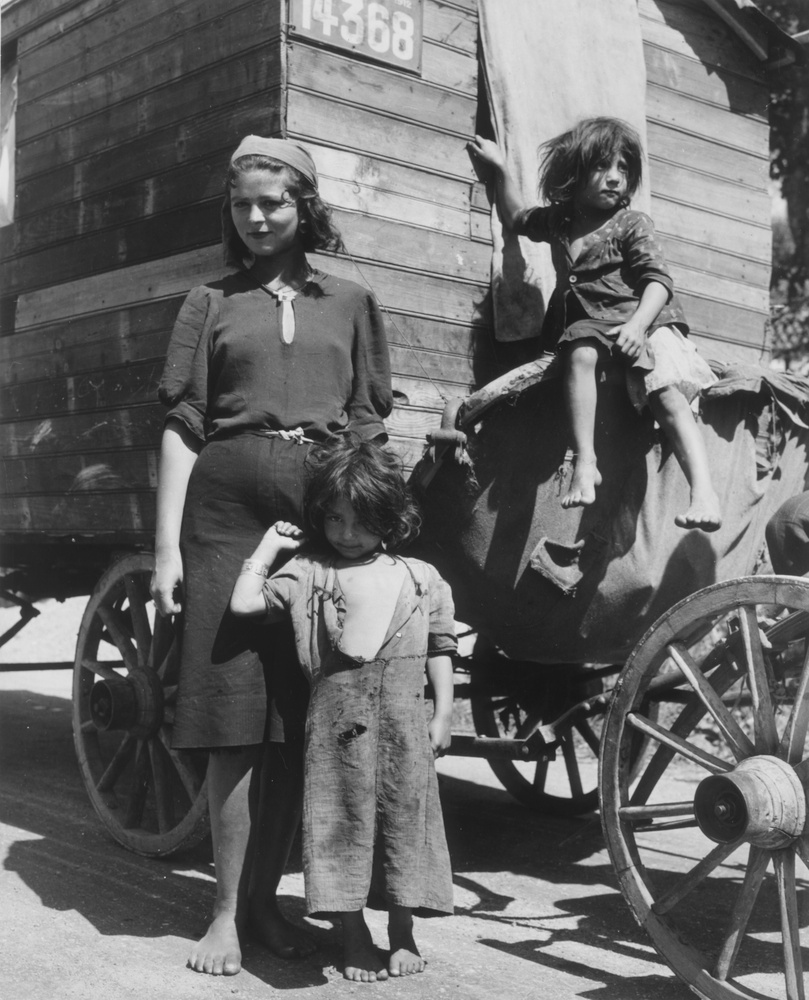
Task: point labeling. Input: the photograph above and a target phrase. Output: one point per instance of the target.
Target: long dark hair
(369, 477)
(569, 158)
(316, 229)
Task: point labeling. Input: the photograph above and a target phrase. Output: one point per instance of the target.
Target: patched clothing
(371, 806)
(608, 275)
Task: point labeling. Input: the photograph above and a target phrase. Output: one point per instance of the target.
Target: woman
(261, 364)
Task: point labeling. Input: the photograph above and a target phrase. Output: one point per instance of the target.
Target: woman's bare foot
(404, 955)
(582, 490)
(704, 512)
(362, 963)
(270, 928)
(218, 953)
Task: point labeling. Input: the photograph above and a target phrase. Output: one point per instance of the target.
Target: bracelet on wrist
(254, 566)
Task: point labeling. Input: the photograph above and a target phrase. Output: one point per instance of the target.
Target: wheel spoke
(697, 874)
(139, 786)
(191, 781)
(528, 726)
(116, 766)
(114, 623)
(540, 776)
(759, 679)
(586, 732)
(731, 730)
(101, 669)
(661, 810)
(137, 594)
(572, 765)
(790, 924)
(756, 867)
(677, 744)
(164, 804)
(793, 742)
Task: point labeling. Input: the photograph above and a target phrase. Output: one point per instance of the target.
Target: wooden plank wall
(708, 141)
(128, 110)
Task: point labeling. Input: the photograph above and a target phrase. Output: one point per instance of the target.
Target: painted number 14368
(357, 23)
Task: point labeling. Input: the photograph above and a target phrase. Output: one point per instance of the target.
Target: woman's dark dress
(233, 382)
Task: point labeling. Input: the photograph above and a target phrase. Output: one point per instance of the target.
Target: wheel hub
(134, 703)
(761, 800)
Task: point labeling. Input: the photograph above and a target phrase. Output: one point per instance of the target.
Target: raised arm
(510, 203)
(247, 598)
(178, 453)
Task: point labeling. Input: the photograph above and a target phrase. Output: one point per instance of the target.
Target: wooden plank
(706, 191)
(113, 34)
(93, 391)
(132, 427)
(709, 286)
(91, 515)
(697, 225)
(42, 32)
(22, 18)
(370, 206)
(730, 353)
(380, 89)
(450, 25)
(724, 322)
(706, 120)
(87, 343)
(449, 68)
(713, 157)
(65, 472)
(222, 38)
(179, 100)
(751, 272)
(432, 365)
(693, 78)
(692, 30)
(143, 157)
(351, 128)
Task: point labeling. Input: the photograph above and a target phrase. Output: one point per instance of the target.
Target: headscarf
(282, 150)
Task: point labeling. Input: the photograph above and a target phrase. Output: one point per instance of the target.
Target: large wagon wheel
(152, 799)
(512, 700)
(736, 658)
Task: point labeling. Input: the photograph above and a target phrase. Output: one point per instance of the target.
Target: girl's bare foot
(404, 955)
(704, 512)
(362, 963)
(218, 953)
(272, 929)
(582, 490)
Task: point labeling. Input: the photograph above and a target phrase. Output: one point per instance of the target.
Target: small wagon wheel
(152, 799)
(712, 870)
(512, 700)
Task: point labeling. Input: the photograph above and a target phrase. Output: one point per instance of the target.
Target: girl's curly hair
(369, 477)
(316, 229)
(568, 159)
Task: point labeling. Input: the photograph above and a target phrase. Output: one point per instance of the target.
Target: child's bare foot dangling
(582, 490)
(362, 963)
(703, 514)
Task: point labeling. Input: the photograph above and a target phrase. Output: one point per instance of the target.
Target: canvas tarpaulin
(548, 64)
(556, 585)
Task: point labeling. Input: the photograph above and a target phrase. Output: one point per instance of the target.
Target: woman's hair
(569, 158)
(316, 229)
(367, 476)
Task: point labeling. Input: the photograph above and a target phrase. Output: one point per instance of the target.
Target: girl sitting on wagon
(613, 295)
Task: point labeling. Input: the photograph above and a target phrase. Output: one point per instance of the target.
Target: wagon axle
(761, 801)
(134, 703)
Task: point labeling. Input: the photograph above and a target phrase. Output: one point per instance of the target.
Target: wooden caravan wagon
(118, 119)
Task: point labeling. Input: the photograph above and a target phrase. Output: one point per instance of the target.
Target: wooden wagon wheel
(152, 799)
(731, 666)
(511, 701)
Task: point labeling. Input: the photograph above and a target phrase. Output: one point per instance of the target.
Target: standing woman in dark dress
(261, 364)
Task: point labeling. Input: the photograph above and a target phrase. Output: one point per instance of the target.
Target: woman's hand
(166, 582)
(488, 152)
(439, 729)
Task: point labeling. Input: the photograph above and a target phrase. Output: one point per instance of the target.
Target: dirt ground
(538, 915)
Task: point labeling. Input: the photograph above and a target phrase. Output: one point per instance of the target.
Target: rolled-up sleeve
(442, 640)
(536, 224)
(644, 254)
(183, 386)
(372, 397)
